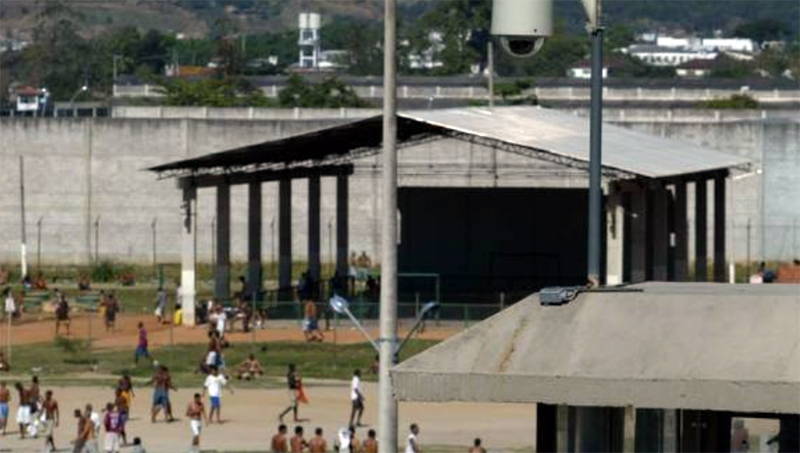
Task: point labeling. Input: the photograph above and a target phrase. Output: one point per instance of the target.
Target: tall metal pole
(23, 250)
(595, 159)
(97, 240)
(387, 406)
(490, 53)
(153, 226)
(39, 243)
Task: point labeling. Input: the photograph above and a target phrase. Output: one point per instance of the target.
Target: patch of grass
(71, 362)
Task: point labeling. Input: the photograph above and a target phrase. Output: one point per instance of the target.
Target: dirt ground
(125, 334)
(251, 416)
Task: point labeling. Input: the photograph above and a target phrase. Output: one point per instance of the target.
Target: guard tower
(309, 40)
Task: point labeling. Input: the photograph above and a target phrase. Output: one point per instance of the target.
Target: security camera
(522, 25)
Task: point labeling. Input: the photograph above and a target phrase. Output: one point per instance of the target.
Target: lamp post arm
(361, 328)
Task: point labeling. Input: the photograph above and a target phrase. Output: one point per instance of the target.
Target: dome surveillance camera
(522, 46)
(522, 25)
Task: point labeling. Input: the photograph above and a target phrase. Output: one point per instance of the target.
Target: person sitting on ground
(310, 324)
(371, 444)
(40, 284)
(318, 444)
(250, 368)
(84, 283)
(137, 446)
(279, 441)
(476, 447)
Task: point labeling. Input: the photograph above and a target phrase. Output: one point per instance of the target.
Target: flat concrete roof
(667, 345)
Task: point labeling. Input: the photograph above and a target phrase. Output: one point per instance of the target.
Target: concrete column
(629, 430)
(222, 273)
(314, 261)
(720, 266)
(546, 428)
(342, 224)
(188, 250)
(254, 225)
(638, 239)
(285, 234)
(789, 434)
(660, 233)
(681, 233)
(701, 232)
(615, 221)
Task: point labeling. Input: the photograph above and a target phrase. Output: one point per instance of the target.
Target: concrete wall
(77, 170)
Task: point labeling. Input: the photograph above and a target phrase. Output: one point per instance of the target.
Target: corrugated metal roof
(568, 136)
(549, 134)
(689, 346)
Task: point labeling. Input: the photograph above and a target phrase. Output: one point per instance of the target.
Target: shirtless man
(476, 447)
(197, 415)
(34, 395)
(24, 411)
(318, 443)
(163, 384)
(5, 398)
(279, 441)
(51, 419)
(297, 443)
(250, 368)
(371, 444)
(86, 442)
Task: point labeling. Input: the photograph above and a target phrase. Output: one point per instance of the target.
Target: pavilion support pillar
(629, 430)
(187, 293)
(701, 231)
(546, 428)
(660, 233)
(285, 237)
(599, 429)
(615, 220)
(789, 436)
(222, 273)
(638, 240)
(342, 225)
(314, 261)
(681, 226)
(254, 226)
(720, 266)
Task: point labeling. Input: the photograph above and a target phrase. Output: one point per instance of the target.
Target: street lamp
(84, 88)
(341, 306)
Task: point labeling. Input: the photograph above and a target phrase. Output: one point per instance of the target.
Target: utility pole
(97, 240)
(387, 405)
(39, 243)
(153, 226)
(595, 156)
(23, 251)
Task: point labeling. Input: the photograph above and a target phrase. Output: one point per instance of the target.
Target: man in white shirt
(213, 386)
(356, 398)
(412, 445)
(222, 319)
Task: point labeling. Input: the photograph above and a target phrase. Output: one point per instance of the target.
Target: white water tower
(310, 44)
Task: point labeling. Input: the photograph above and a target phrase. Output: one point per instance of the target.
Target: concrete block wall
(77, 170)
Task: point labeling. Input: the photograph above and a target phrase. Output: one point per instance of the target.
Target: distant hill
(196, 17)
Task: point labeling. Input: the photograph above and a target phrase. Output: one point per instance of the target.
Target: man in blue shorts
(163, 384)
(5, 398)
(213, 386)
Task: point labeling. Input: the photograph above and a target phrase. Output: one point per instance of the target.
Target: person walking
(412, 442)
(162, 382)
(356, 399)
(213, 386)
(196, 412)
(24, 409)
(112, 423)
(111, 308)
(293, 383)
(62, 313)
(5, 399)
(161, 305)
(142, 345)
(51, 420)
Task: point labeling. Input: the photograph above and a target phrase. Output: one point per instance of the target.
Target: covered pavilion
(645, 178)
